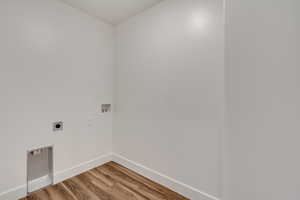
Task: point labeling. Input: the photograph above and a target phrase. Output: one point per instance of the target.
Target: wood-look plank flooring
(107, 182)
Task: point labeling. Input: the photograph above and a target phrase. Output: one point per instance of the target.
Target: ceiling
(112, 11)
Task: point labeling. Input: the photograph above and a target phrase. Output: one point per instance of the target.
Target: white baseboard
(39, 183)
(19, 192)
(14, 194)
(179, 187)
(83, 167)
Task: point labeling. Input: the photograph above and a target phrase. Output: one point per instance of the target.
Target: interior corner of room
(149, 99)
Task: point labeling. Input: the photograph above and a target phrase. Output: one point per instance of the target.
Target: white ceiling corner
(112, 11)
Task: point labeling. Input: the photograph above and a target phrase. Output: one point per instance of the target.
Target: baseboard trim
(181, 188)
(20, 192)
(13, 194)
(83, 167)
(184, 189)
(39, 183)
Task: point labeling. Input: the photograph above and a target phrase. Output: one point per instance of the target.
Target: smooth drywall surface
(263, 65)
(112, 11)
(55, 64)
(169, 91)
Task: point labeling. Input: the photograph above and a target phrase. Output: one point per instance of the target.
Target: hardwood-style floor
(107, 182)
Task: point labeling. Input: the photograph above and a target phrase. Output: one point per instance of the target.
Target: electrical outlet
(58, 126)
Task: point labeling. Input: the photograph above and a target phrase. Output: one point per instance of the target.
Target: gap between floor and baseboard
(181, 188)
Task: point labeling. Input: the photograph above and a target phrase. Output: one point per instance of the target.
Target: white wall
(56, 64)
(169, 91)
(263, 48)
